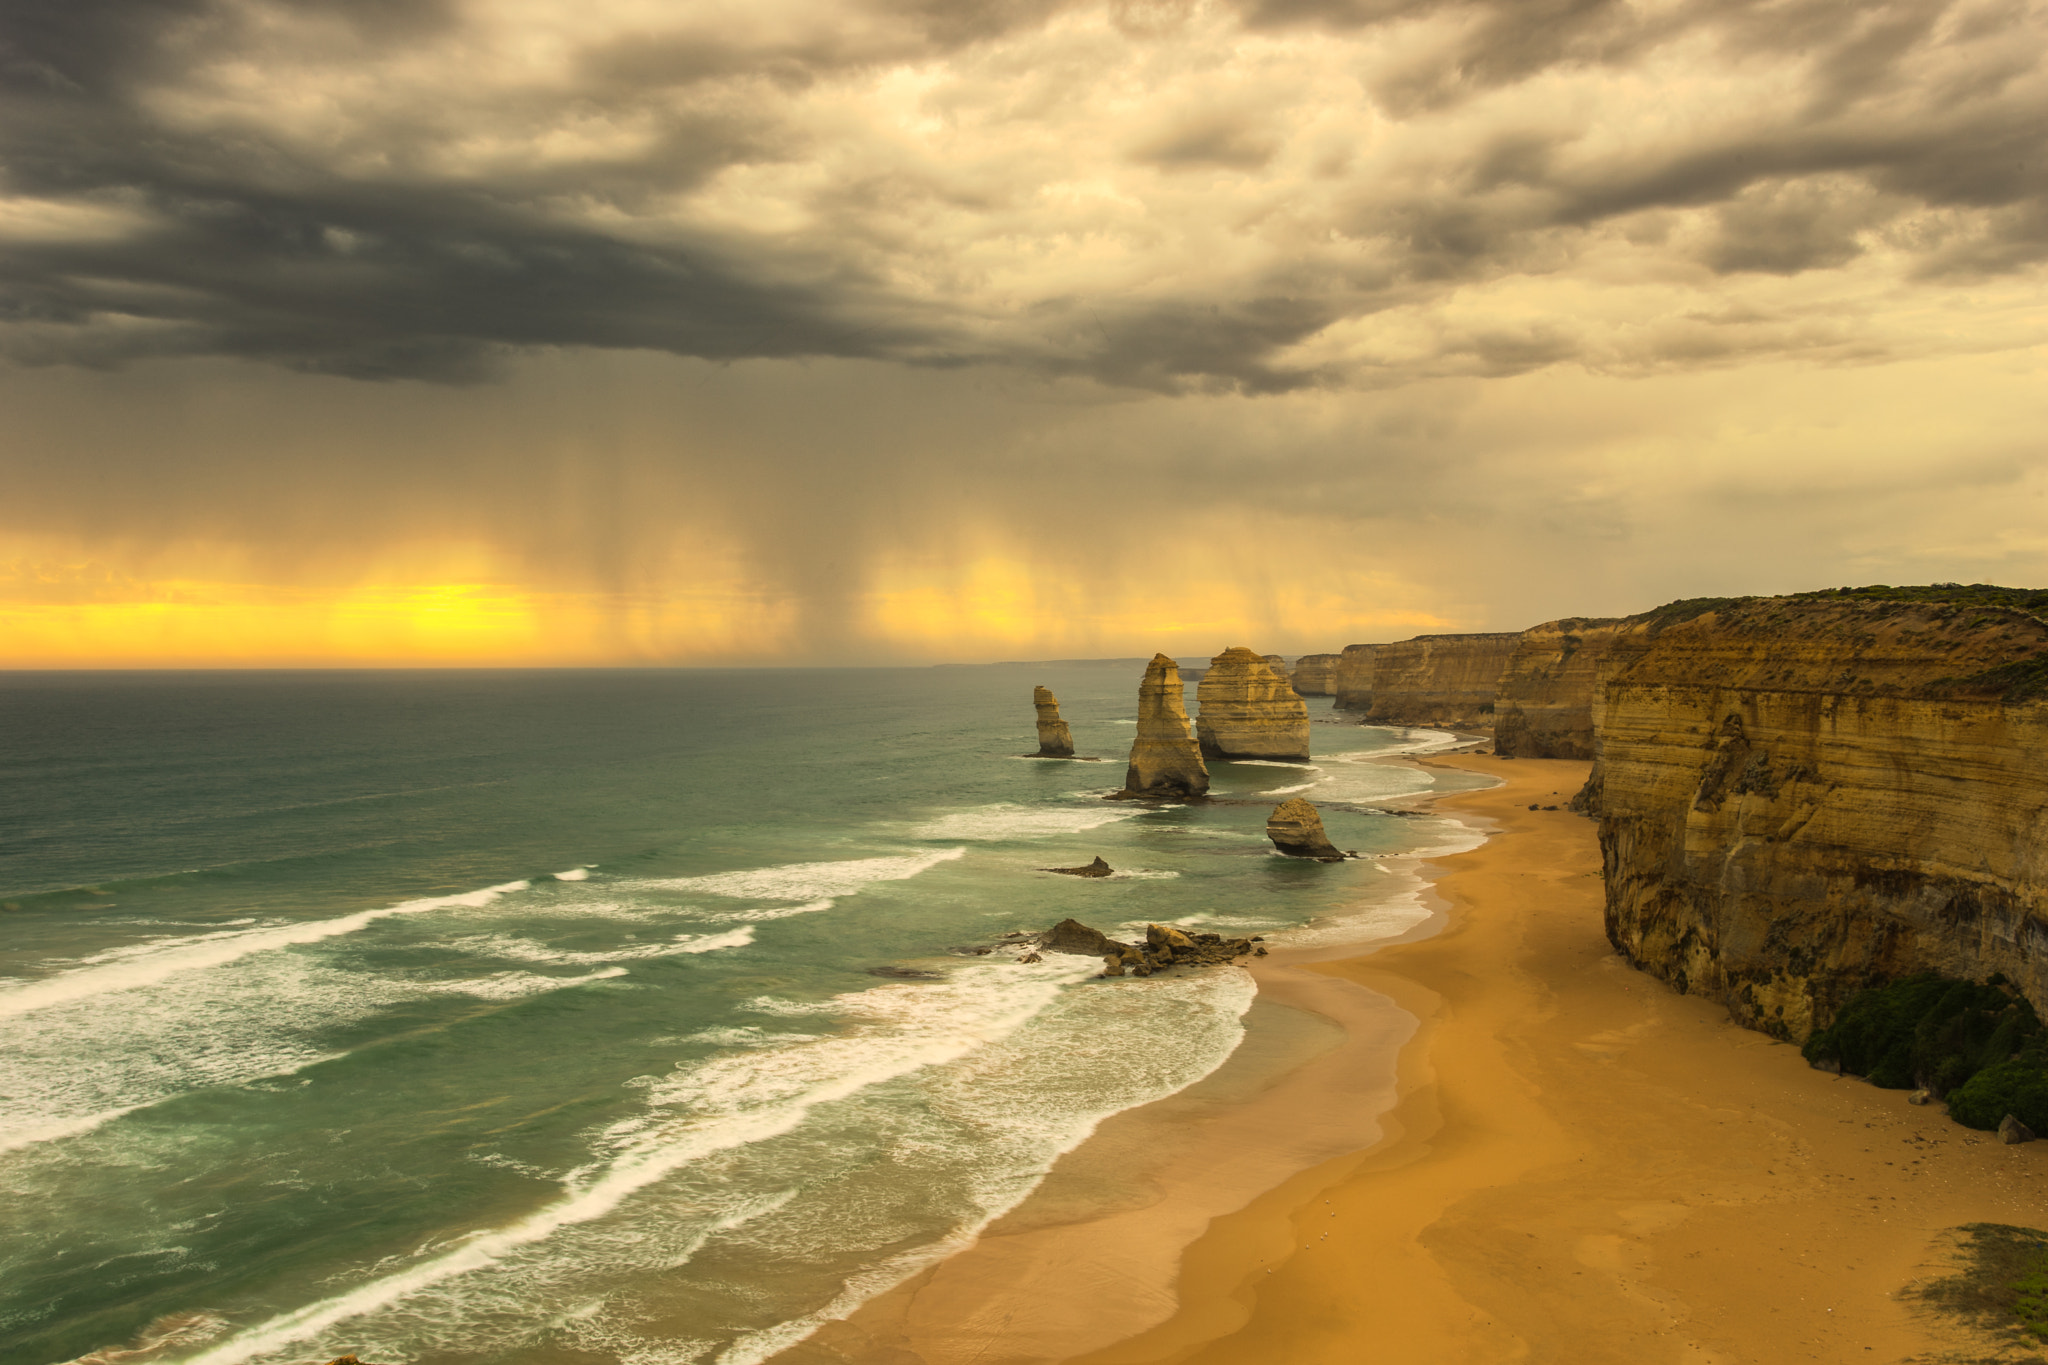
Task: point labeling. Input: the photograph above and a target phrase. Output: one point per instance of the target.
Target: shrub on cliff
(1927, 1031)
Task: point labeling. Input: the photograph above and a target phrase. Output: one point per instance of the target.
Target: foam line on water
(1007, 820)
(527, 950)
(811, 881)
(146, 964)
(574, 874)
(726, 1103)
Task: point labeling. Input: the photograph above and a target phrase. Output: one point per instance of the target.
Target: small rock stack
(1055, 739)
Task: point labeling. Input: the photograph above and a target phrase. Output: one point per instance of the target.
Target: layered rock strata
(1800, 797)
(1165, 761)
(1439, 679)
(1055, 740)
(1296, 829)
(1352, 685)
(1544, 708)
(1278, 663)
(1249, 711)
(1315, 675)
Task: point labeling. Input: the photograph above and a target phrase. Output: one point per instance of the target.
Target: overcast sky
(870, 330)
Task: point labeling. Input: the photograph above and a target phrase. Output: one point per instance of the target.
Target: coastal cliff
(1439, 679)
(1315, 675)
(1352, 685)
(1249, 711)
(1055, 737)
(1164, 758)
(1545, 705)
(1801, 797)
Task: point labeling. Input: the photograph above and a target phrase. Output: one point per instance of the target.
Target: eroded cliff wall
(1439, 679)
(1545, 705)
(1801, 797)
(1353, 686)
(1315, 675)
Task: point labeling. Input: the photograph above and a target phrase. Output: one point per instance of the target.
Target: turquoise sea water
(534, 1016)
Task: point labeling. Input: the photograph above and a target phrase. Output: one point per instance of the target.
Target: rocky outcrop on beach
(1315, 675)
(1800, 797)
(1249, 711)
(1098, 868)
(1439, 679)
(1353, 683)
(1165, 760)
(1544, 708)
(1164, 948)
(1055, 740)
(1296, 829)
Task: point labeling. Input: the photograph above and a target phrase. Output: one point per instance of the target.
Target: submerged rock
(1296, 829)
(1164, 758)
(1248, 710)
(906, 974)
(1098, 868)
(1055, 739)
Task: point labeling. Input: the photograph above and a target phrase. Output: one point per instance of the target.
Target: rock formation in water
(1545, 705)
(1248, 710)
(1800, 797)
(1315, 675)
(1072, 936)
(1278, 663)
(1439, 679)
(1165, 760)
(1296, 829)
(1164, 948)
(1055, 740)
(1098, 868)
(1353, 684)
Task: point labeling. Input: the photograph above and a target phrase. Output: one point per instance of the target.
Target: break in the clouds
(1261, 196)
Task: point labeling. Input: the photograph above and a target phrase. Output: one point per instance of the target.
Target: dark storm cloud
(382, 243)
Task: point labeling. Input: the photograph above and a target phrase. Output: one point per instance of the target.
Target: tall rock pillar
(1164, 758)
(1055, 740)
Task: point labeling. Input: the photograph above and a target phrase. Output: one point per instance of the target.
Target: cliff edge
(1803, 796)
(1439, 679)
(1544, 708)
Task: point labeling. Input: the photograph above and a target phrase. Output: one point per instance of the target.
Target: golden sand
(1567, 1162)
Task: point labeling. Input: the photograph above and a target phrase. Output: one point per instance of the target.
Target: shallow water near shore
(464, 1017)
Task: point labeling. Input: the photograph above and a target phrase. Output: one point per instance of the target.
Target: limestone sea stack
(1055, 740)
(1296, 829)
(1164, 758)
(1315, 675)
(1248, 710)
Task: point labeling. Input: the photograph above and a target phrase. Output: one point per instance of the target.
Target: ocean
(588, 1016)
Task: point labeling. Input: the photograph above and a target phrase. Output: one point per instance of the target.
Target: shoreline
(1571, 1163)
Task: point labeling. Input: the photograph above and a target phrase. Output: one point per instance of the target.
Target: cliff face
(1248, 710)
(1164, 759)
(1315, 675)
(1802, 797)
(1439, 679)
(1055, 739)
(1545, 705)
(1353, 683)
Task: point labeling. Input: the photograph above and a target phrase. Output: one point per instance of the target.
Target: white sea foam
(124, 969)
(574, 874)
(529, 950)
(811, 881)
(1269, 763)
(712, 1107)
(1006, 820)
(1360, 779)
(1286, 791)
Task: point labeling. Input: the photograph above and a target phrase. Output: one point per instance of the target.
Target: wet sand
(1564, 1162)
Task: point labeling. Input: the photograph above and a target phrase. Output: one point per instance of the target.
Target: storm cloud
(1159, 196)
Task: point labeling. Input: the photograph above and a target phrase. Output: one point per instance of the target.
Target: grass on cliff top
(2034, 600)
(2001, 1282)
(1982, 1047)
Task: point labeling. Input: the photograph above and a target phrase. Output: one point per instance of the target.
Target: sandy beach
(1487, 1141)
